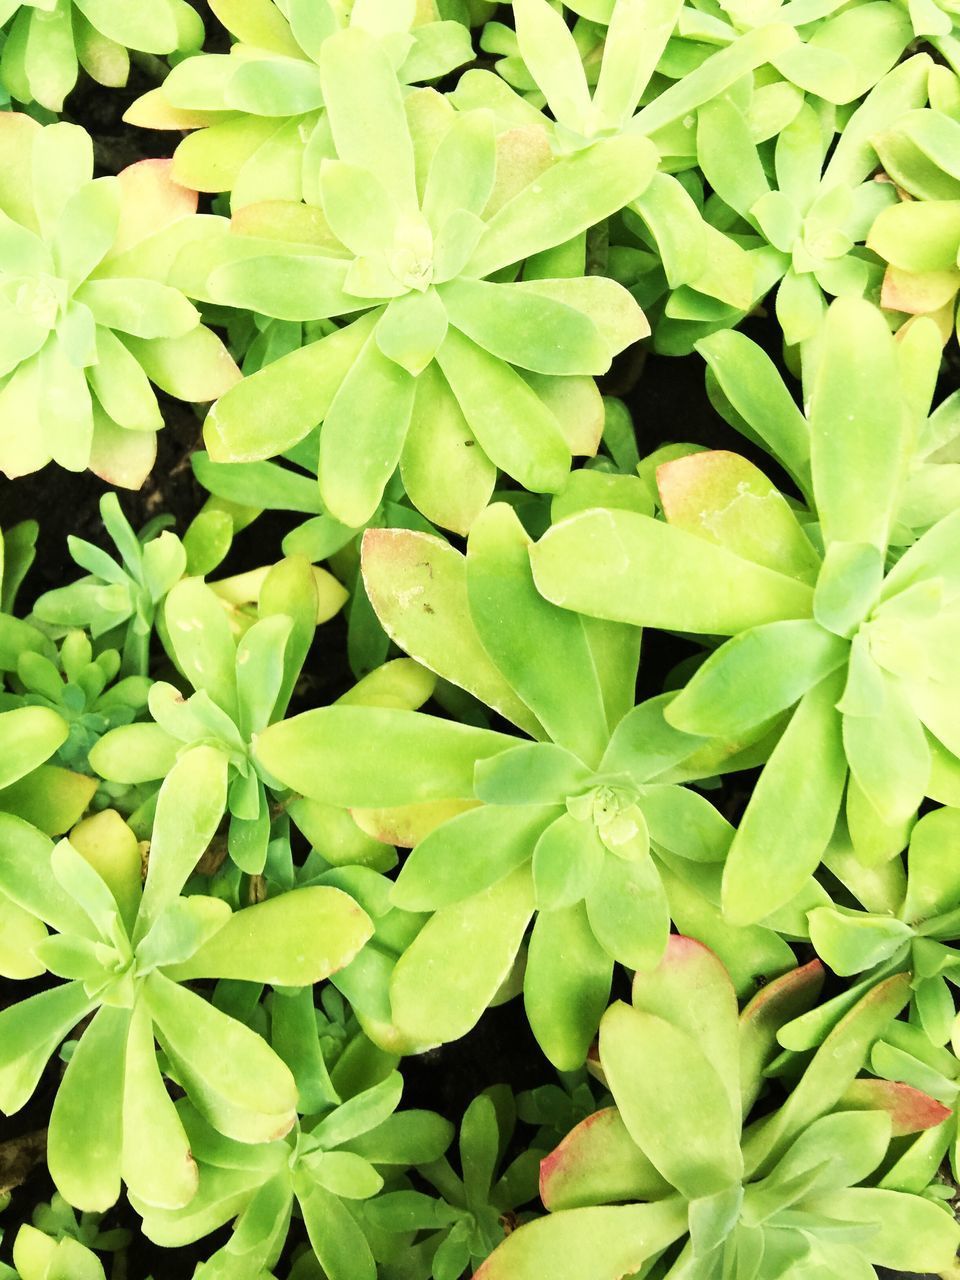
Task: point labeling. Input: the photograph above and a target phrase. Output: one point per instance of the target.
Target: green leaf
(294, 940)
(231, 1075)
(29, 1033)
(202, 641)
(462, 171)
(433, 1001)
(467, 854)
(754, 676)
(28, 737)
(365, 109)
(673, 1103)
(336, 1237)
(801, 787)
(566, 985)
(553, 60)
(274, 87)
(848, 586)
(835, 1065)
(692, 990)
(85, 1142)
(276, 407)
(594, 1243)
(417, 585)
(852, 942)
(907, 1231)
(190, 806)
(630, 568)
(628, 911)
(412, 330)
(888, 754)
(575, 193)
(541, 650)
(636, 38)
(933, 882)
(363, 434)
(598, 1163)
(726, 500)
(371, 757)
(513, 425)
(567, 860)
(525, 328)
(857, 426)
(531, 773)
(156, 1163)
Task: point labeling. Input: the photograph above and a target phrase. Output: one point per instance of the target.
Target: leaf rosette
(126, 954)
(258, 111)
(819, 627)
(673, 1175)
(407, 225)
(87, 316)
(586, 828)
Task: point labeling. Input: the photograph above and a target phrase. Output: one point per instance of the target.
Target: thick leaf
(202, 641)
(29, 1033)
(751, 387)
(541, 650)
(933, 884)
(468, 854)
(294, 940)
(524, 328)
(85, 1142)
(232, 1075)
(835, 1065)
(573, 194)
(672, 1100)
(857, 426)
(277, 406)
(566, 985)
(336, 1237)
(774, 1005)
(630, 568)
(593, 1243)
(754, 676)
(691, 989)
(363, 435)
(598, 1163)
(370, 757)
(727, 500)
(909, 1233)
(365, 109)
(417, 585)
(156, 1163)
(513, 425)
(799, 791)
(189, 808)
(628, 910)
(433, 1001)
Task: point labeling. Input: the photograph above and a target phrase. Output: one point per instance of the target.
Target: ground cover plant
(479, 606)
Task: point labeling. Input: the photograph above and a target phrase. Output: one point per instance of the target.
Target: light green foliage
(48, 41)
(259, 112)
(118, 599)
(826, 636)
(253, 900)
(123, 954)
(578, 826)
(87, 314)
(405, 225)
(782, 1193)
(330, 1167)
(458, 1230)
